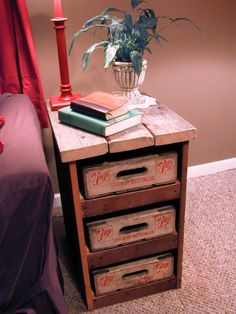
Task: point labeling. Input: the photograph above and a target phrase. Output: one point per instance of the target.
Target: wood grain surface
(75, 144)
(166, 126)
(133, 138)
(160, 126)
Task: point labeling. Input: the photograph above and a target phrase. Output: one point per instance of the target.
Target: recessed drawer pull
(134, 274)
(129, 172)
(133, 228)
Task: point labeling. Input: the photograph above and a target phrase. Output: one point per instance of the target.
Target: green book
(99, 126)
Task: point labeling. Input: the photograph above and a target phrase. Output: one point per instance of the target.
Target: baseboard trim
(211, 167)
(193, 171)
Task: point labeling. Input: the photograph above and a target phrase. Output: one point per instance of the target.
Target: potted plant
(126, 38)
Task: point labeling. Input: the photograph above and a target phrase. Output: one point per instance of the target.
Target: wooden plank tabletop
(75, 144)
(160, 126)
(166, 126)
(133, 138)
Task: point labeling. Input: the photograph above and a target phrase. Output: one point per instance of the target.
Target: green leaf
(188, 20)
(128, 22)
(174, 20)
(148, 49)
(90, 50)
(74, 37)
(82, 30)
(135, 3)
(110, 54)
(95, 19)
(140, 35)
(149, 13)
(148, 22)
(102, 19)
(125, 48)
(111, 10)
(116, 29)
(158, 38)
(136, 59)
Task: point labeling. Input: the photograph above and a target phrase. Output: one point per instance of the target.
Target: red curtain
(18, 65)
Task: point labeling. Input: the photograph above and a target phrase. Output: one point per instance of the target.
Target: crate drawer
(133, 274)
(130, 174)
(133, 227)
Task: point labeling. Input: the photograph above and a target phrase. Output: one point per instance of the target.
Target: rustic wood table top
(160, 126)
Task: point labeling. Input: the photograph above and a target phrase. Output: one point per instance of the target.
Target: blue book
(99, 126)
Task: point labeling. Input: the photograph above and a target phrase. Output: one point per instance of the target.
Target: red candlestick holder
(57, 102)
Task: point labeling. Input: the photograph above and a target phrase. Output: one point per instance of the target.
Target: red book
(101, 105)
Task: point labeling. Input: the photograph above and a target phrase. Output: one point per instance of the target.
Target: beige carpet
(209, 266)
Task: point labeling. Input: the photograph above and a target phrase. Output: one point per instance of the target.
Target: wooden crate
(133, 227)
(130, 174)
(133, 274)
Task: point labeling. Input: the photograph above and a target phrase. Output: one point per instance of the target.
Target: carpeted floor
(209, 265)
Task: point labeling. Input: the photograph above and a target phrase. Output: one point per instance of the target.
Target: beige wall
(193, 74)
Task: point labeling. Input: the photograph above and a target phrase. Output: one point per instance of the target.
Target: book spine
(90, 111)
(81, 122)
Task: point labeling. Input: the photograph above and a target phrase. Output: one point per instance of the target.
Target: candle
(57, 8)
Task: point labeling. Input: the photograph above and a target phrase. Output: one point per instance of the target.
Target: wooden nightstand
(162, 131)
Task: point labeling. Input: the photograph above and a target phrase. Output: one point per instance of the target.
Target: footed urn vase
(128, 81)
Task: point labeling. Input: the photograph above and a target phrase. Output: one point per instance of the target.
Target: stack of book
(100, 113)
